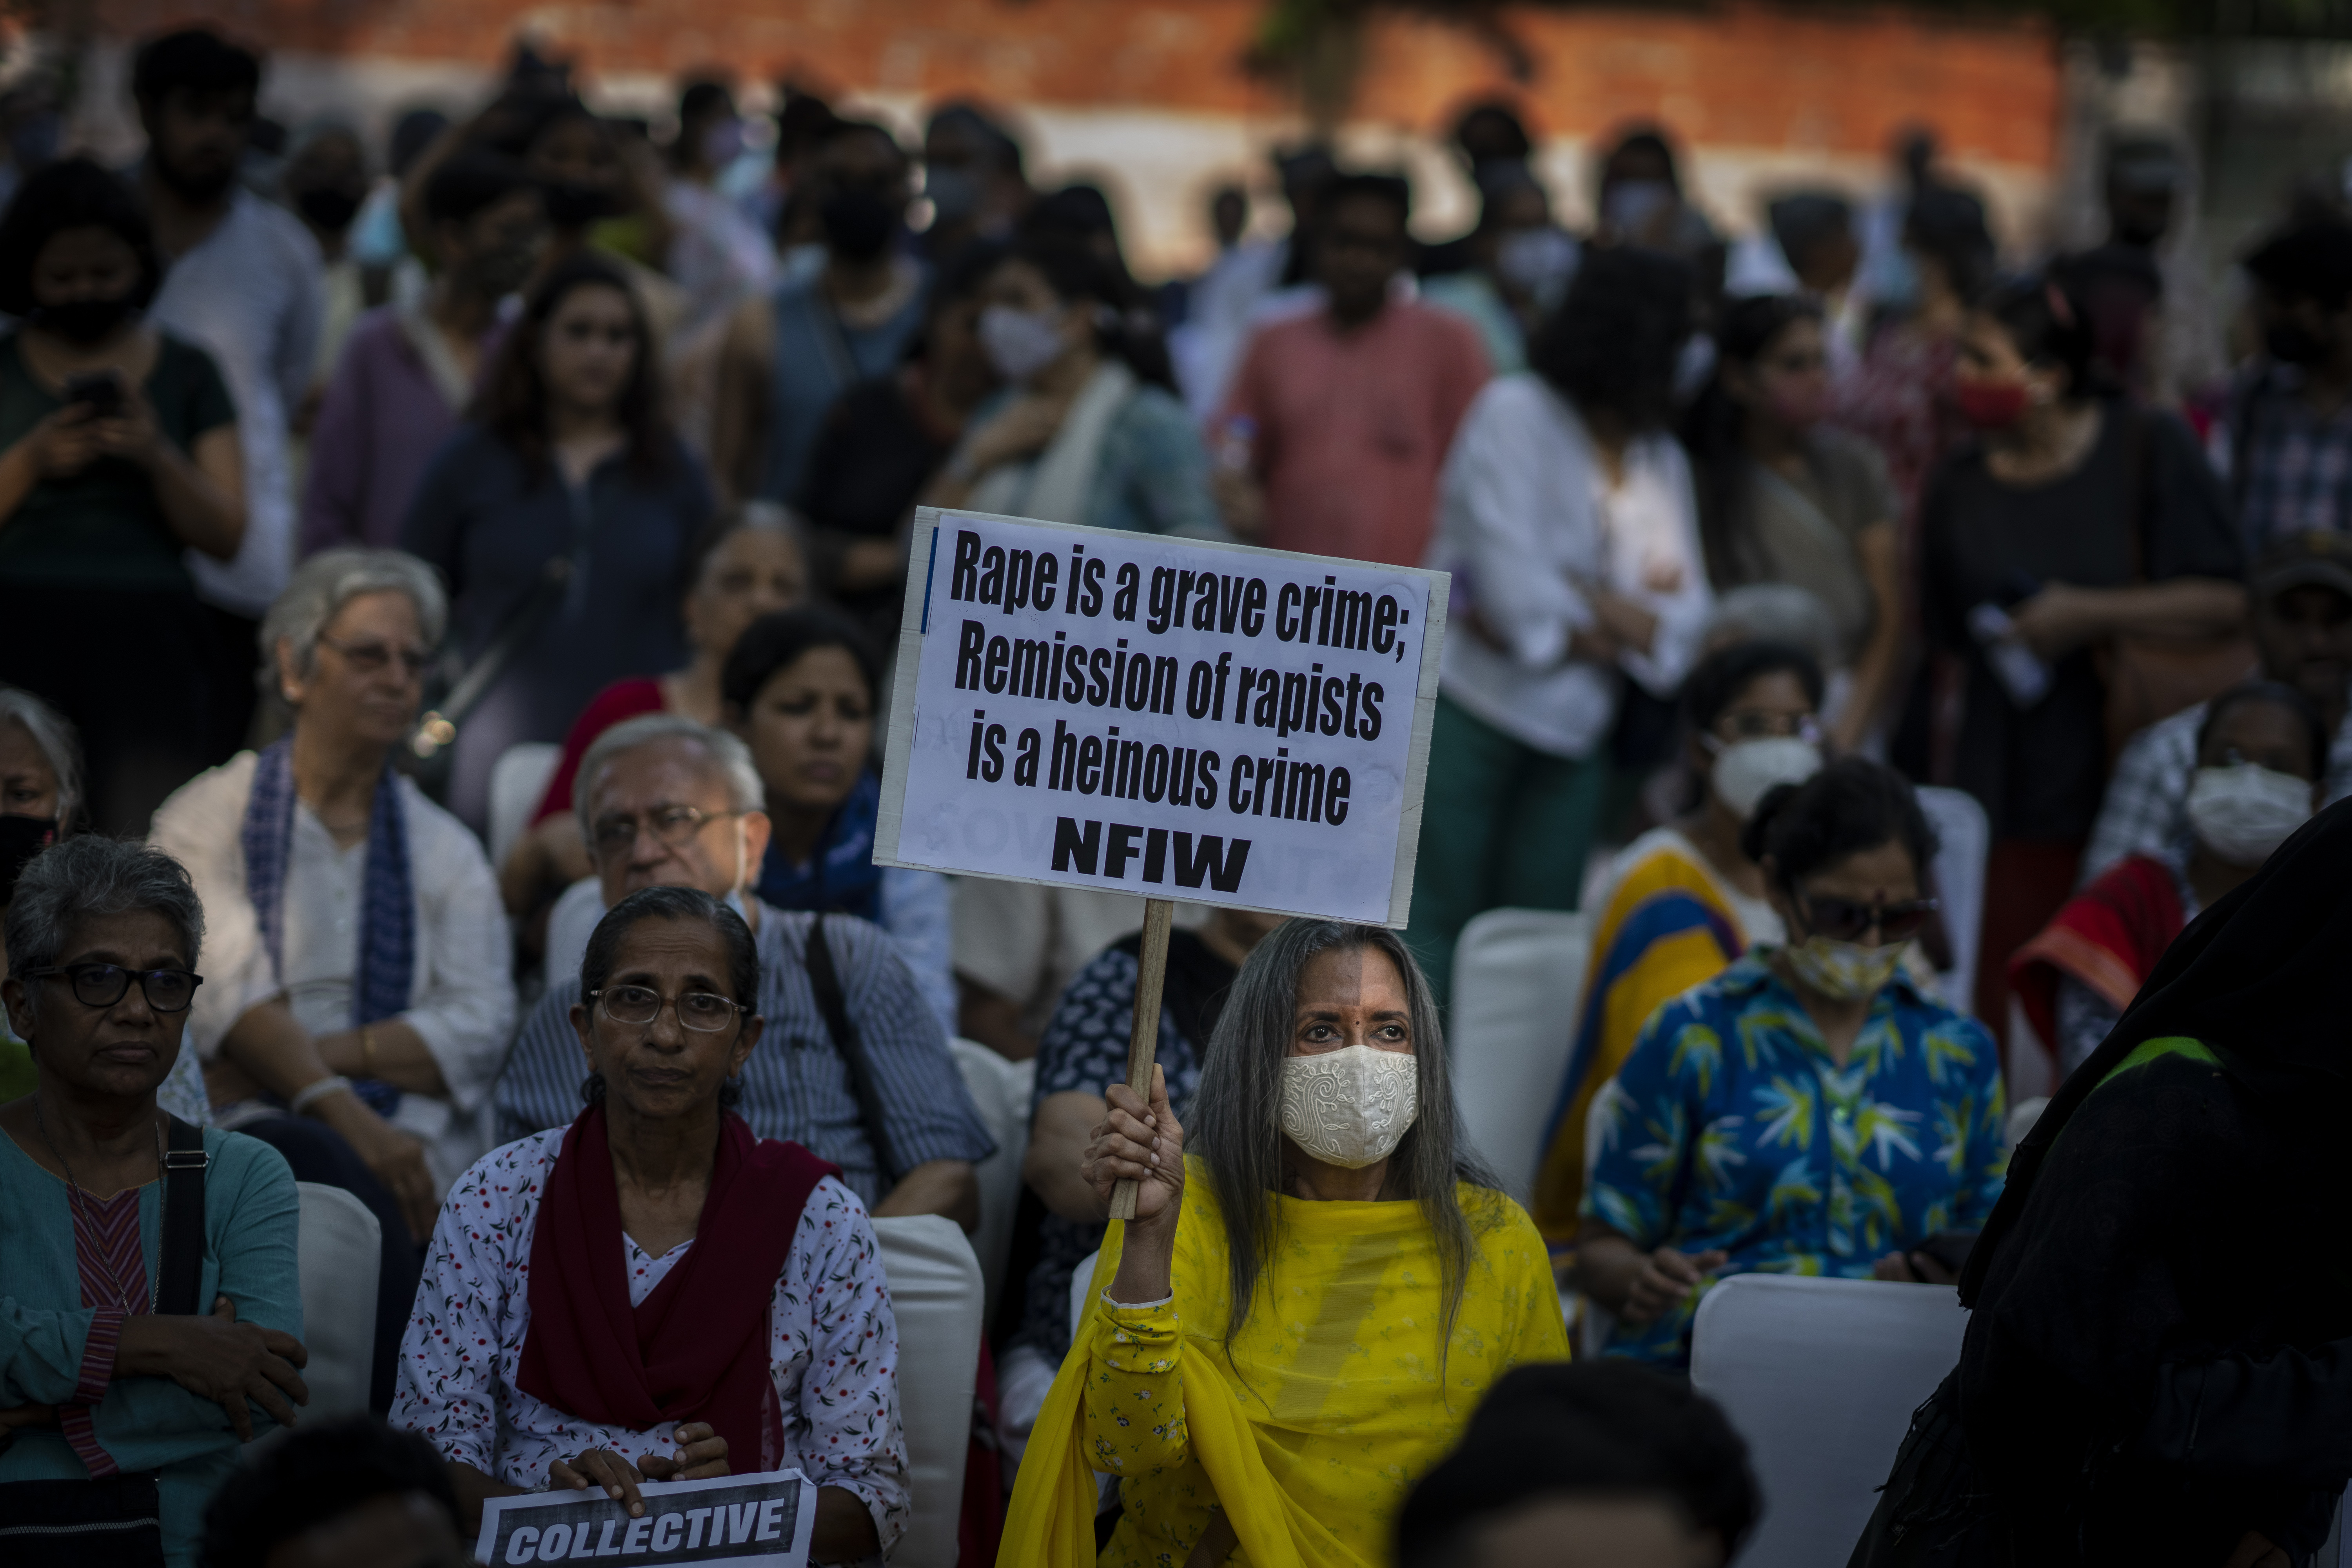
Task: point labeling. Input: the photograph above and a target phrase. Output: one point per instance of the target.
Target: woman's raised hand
(701, 1453)
(1140, 1142)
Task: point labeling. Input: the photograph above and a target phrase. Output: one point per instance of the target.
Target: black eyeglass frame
(72, 974)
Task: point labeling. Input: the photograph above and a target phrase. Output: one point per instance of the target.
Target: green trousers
(1502, 826)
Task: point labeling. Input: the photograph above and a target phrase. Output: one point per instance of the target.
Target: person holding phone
(117, 455)
(1810, 1109)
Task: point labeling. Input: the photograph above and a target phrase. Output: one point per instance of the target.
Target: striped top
(114, 1285)
(796, 1085)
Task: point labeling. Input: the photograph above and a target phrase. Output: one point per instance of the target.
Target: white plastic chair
(1959, 822)
(1821, 1377)
(1079, 1279)
(1001, 1089)
(1518, 980)
(518, 783)
(337, 1253)
(935, 1295)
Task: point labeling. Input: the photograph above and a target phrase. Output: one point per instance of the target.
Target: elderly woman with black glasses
(1808, 1110)
(647, 1293)
(136, 1351)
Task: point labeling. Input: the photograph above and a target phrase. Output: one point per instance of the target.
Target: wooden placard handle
(1143, 1041)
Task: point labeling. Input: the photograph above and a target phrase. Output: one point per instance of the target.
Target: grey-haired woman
(1311, 1297)
(101, 1380)
(360, 950)
(41, 801)
(360, 998)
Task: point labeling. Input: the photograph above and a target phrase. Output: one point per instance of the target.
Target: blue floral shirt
(1731, 1128)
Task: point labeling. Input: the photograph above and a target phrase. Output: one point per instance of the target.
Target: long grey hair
(1236, 1120)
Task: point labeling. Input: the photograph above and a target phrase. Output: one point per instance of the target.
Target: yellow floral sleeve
(1134, 1400)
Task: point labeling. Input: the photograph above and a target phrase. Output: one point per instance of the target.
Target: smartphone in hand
(99, 390)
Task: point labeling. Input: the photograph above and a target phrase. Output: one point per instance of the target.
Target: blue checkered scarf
(387, 908)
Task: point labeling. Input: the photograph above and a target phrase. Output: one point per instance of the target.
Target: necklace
(80, 1205)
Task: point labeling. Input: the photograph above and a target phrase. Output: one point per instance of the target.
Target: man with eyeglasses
(666, 802)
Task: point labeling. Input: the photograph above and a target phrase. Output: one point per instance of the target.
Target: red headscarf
(698, 1348)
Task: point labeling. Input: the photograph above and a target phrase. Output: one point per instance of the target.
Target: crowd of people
(539, 435)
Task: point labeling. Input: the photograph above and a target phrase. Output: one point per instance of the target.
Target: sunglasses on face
(1851, 920)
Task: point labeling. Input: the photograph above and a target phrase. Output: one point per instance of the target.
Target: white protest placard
(1165, 717)
(748, 1521)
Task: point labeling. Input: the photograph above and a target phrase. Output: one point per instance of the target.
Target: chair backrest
(337, 1253)
(1001, 1089)
(1821, 1377)
(935, 1294)
(1967, 837)
(1519, 981)
(518, 783)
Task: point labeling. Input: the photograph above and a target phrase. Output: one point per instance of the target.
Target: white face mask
(1351, 1107)
(2243, 813)
(1745, 770)
(1535, 260)
(1020, 343)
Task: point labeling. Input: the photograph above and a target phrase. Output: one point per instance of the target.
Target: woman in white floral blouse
(770, 1346)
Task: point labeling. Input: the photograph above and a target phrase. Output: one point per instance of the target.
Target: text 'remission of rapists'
(1160, 716)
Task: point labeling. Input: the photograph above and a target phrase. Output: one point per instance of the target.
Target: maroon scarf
(697, 1349)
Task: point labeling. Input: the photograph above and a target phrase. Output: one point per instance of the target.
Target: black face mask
(2291, 342)
(196, 188)
(572, 205)
(82, 321)
(858, 224)
(21, 838)
(327, 208)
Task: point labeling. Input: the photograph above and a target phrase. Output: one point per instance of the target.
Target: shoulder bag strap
(436, 729)
(826, 983)
(182, 1268)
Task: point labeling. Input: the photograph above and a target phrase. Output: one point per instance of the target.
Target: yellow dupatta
(1332, 1406)
(1668, 926)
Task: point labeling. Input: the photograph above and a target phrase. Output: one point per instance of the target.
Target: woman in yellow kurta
(1682, 900)
(1385, 1283)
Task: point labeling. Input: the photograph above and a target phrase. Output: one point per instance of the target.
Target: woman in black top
(561, 513)
(2158, 1362)
(2071, 521)
(882, 441)
(117, 455)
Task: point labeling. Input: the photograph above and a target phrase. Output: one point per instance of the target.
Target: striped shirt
(114, 1285)
(796, 1084)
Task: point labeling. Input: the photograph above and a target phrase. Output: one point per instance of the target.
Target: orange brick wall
(1742, 75)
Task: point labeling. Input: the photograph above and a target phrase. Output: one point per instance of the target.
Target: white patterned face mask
(1351, 1107)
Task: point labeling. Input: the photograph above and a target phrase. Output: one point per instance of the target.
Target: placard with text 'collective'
(1164, 716)
(745, 1522)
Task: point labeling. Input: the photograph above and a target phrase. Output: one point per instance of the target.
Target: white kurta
(461, 996)
(1527, 516)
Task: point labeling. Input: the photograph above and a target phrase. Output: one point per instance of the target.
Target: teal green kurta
(251, 1217)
